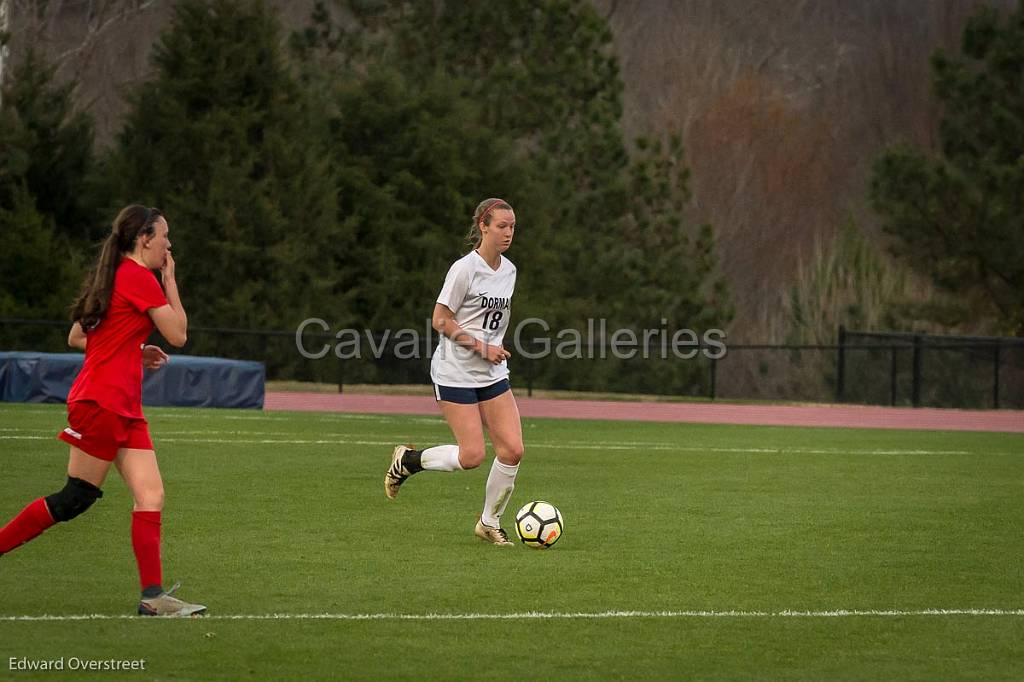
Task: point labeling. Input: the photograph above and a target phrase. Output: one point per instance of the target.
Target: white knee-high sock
(500, 483)
(441, 458)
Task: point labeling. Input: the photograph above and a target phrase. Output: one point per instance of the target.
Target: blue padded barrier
(185, 381)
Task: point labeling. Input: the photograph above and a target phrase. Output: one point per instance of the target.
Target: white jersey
(481, 299)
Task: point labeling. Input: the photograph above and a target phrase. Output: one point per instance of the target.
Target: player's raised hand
(167, 271)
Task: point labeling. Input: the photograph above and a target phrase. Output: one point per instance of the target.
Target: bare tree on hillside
(68, 32)
(782, 106)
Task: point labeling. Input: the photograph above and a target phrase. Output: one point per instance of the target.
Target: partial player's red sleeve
(142, 290)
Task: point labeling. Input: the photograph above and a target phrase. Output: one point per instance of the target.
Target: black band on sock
(411, 461)
(152, 591)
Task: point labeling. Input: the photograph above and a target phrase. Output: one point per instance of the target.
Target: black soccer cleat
(397, 473)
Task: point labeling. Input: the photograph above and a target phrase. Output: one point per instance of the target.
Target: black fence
(898, 368)
(879, 368)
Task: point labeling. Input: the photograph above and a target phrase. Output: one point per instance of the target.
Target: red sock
(33, 520)
(146, 543)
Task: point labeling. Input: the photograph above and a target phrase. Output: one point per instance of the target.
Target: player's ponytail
(483, 213)
(94, 298)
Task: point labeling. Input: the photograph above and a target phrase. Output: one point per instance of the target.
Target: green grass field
(284, 514)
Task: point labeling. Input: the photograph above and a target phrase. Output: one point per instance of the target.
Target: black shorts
(470, 396)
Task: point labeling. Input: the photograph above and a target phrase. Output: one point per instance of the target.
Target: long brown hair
(483, 213)
(91, 304)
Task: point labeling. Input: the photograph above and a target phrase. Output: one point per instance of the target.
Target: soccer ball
(539, 524)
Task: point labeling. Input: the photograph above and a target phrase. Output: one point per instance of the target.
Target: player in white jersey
(470, 372)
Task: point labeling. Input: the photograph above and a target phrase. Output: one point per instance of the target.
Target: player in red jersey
(120, 302)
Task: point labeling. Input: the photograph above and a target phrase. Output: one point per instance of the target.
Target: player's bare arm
(443, 322)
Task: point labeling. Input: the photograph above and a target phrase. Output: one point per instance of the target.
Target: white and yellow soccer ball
(539, 524)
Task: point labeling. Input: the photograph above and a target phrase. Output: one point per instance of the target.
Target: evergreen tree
(537, 84)
(224, 141)
(38, 272)
(48, 148)
(959, 218)
(412, 162)
(46, 220)
(541, 74)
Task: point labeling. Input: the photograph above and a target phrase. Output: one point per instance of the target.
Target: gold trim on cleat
(495, 536)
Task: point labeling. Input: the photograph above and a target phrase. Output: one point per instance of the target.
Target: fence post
(714, 374)
(995, 376)
(892, 376)
(341, 375)
(841, 365)
(529, 377)
(916, 387)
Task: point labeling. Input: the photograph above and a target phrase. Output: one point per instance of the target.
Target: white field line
(556, 615)
(554, 446)
(342, 437)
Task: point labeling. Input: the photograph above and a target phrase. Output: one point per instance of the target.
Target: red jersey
(112, 373)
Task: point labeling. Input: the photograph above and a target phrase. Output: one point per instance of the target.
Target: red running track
(857, 416)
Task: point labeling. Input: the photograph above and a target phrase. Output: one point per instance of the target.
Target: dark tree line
(332, 173)
(958, 217)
